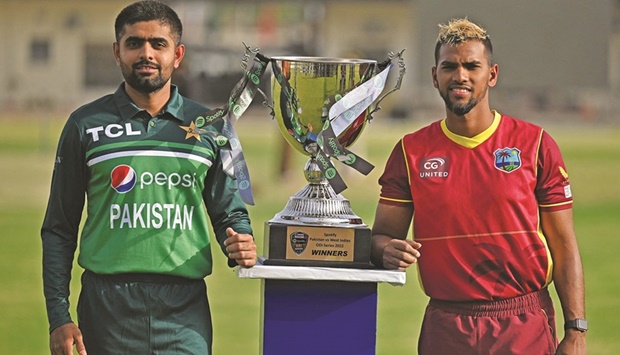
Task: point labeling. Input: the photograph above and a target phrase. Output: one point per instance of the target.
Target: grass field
(27, 151)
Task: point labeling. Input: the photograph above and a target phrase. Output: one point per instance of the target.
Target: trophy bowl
(299, 109)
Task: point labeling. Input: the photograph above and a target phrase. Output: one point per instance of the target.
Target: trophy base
(317, 245)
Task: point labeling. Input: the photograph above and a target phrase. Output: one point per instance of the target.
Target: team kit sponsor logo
(124, 179)
(113, 130)
(434, 167)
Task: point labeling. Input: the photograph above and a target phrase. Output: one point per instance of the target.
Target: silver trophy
(321, 106)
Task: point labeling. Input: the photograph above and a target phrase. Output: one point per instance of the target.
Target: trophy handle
(247, 57)
(401, 74)
(266, 103)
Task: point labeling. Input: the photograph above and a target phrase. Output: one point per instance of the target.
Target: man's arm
(229, 217)
(59, 235)
(59, 232)
(389, 247)
(567, 275)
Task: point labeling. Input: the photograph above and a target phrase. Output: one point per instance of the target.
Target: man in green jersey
(147, 173)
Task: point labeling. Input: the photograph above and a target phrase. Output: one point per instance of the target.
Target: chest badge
(507, 159)
(191, 130)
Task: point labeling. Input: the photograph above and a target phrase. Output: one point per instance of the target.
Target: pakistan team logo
(507, 159)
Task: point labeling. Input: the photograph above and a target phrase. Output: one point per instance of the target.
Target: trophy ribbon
(328, 146)
(241, 96)
(342, 113)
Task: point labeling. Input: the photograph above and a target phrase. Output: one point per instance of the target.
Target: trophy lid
(324, 60)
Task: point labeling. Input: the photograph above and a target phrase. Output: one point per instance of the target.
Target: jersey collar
(128, 109)
(475, 141)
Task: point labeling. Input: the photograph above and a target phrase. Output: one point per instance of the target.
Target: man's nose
(147, 51)
(461, 74)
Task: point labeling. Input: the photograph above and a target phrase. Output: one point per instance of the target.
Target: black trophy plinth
(317, 228)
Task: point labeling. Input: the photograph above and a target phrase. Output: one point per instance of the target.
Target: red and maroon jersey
(476, 206)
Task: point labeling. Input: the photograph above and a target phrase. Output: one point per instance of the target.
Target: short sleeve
(553, 190)
(395, 188)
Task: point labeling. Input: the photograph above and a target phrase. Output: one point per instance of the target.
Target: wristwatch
(579, 323)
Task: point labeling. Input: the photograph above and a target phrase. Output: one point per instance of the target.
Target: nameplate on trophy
(317, 245)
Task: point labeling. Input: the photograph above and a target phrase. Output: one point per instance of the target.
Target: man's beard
(458, 109)
(144, 84)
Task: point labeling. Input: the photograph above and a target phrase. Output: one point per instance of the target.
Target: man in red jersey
(490, 200)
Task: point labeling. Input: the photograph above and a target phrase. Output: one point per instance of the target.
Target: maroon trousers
(520, 325)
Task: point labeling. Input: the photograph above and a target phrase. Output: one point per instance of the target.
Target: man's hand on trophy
(241, 248)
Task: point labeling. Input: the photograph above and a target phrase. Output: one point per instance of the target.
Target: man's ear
(179, 53)
(116, 49)
(493, 75)
(434, 77)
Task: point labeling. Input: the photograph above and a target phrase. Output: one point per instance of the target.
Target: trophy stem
(317, 203)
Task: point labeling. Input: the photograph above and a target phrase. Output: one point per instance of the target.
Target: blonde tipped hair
(459, 31)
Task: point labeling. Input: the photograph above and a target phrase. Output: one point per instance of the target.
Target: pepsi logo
(123, 178)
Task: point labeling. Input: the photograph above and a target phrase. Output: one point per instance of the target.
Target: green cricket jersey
(147, 181)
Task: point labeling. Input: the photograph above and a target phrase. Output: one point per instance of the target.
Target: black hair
(148, 10)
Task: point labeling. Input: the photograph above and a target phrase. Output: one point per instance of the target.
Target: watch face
(579, 324)
(582, 324)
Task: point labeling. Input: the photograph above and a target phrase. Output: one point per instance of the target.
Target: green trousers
(144, 314)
